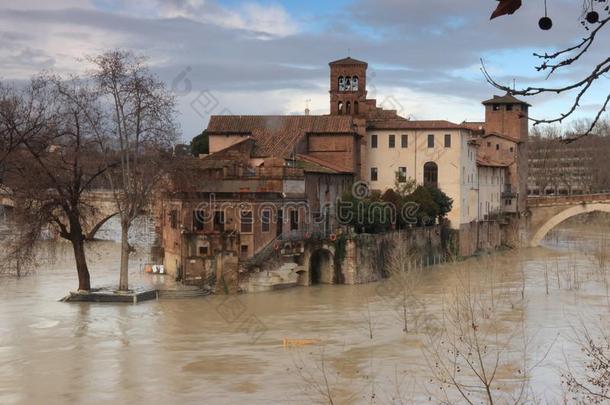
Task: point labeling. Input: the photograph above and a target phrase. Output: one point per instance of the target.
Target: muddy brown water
(230, 350)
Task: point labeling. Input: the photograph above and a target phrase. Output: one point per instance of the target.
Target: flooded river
(351, 343)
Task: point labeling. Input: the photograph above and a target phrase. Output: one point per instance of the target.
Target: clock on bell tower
(347, 87)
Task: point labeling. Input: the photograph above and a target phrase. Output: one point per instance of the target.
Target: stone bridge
(549, 211)
(102, 200)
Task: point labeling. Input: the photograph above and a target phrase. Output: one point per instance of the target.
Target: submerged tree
(49, 174)
(138, 132)
(593, 21)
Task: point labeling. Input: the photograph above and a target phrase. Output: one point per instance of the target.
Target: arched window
(348, 108)
(356, 108)
(341, 83)
(340, 107)
(355, 83)
(431, 174)
(348, 84)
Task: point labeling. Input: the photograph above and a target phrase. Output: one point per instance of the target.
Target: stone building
(272, 182)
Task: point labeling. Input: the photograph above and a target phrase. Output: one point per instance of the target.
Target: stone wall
(480, 236)
(367, 257)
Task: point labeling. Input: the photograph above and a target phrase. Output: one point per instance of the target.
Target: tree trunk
(84, 282)
(124, 275)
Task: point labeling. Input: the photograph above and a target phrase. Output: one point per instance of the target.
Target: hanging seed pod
(545, 23)
(592, 17)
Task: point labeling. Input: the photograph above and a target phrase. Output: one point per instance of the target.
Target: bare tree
(590, 384)
(594, 22)
(56, 165)
(138, 132)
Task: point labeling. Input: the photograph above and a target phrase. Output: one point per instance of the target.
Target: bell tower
(348, 87)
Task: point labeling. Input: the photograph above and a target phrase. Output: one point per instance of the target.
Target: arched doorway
(321, 267)
(431, 174)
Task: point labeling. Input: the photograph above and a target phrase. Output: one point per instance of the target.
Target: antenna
(349, 52)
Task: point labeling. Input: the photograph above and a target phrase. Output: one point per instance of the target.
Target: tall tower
(348, 87)
(509, 117)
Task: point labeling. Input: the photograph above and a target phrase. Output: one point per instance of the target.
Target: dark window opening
(266, 221)
(356, 107)
(496, 107)
(279, 230)
(374, 141)
(219, 221)
(173, 219)
(430, 141)
(294, 220)
(373, 174)
(402, 174)
(246, 221)
(497, 146)
(447, 140)
(340, 108)
(404, 141)
(392, 141)
(431, 174)
(348, 108)
(203, 250)
(509, 107)
(244, 250)
(198, 220)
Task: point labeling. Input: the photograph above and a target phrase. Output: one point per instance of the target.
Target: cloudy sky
(271, 57)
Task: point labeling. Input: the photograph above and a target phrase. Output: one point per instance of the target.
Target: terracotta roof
(505, 99)
(478, 127)
(486, 161)
(317, 165)
(501, 136)
(348, 61)
(403, 123)
(278, 135)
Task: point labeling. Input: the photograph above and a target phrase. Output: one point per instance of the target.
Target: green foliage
(200, 144)
(379, 213)
(404, 188)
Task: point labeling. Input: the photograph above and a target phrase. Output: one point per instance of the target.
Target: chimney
(307, 111)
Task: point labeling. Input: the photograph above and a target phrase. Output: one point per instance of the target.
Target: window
(392, 141)
(374, 141)
(497, 146)
(294, 220)
(340, 107)
(203, 250)
(430, 141)
(373, 174)
(173, 219)
(348, 108)
(246, 221)
(431, 174)
(244, 251)
(355, 83)
(341, 83)
(280, 222)
(404, 141)
(447, 140)
(356, 108)
(402, 174)
(266, 220)
(512, 149)
(509, 107)
(219, 221)
(198, 220)
(496, 107)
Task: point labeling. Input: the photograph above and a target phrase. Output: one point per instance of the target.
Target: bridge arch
(565, 214)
